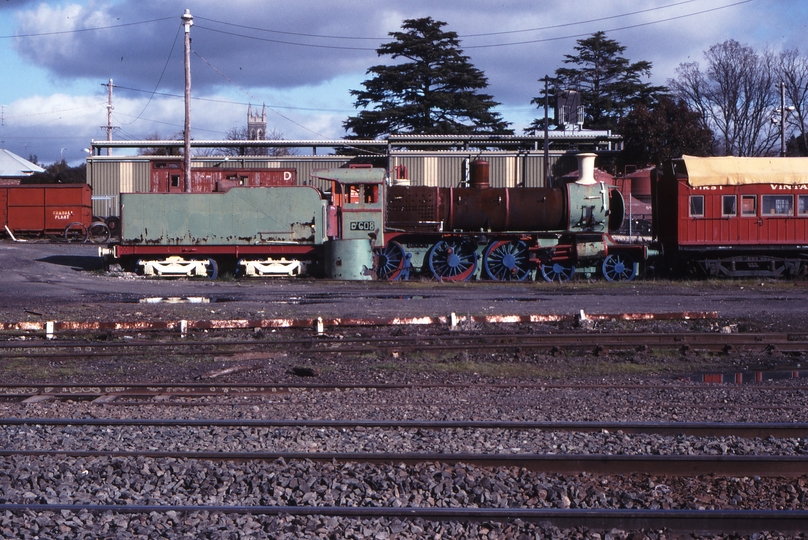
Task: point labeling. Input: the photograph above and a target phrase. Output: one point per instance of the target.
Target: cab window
(371, 194)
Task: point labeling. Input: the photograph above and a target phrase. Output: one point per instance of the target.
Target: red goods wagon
(168, 177)
(733, 216)
(45, 208)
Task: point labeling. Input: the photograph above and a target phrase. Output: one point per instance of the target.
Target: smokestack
(586, 169)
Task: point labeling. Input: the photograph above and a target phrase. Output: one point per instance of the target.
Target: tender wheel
(212, 269)
(506, 261)
(618, 268)
(391, 261)
(77, 232)
(99, 232)
(453, 260)
(557, 272)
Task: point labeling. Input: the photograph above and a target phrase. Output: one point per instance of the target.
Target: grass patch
(33, 371)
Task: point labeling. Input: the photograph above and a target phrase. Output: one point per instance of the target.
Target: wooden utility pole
(546, 132)
(109, 127)
(187, 21)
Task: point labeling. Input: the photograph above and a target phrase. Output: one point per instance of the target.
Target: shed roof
(734, 171)
(13, 166)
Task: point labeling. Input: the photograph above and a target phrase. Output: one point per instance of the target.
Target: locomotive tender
(365, 229)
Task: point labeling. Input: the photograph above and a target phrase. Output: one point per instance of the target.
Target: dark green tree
(668, 130)
(434, 90)
(59, 173)
(610, 85)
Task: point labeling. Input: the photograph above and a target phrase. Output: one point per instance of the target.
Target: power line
(255, 98)
(282, 42)
(628, 27)
(525, 30)
(230, 102)
(156, 86)
(77, 30)
(506, 32)
(588, 21)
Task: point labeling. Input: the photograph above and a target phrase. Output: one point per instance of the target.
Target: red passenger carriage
(734, 217)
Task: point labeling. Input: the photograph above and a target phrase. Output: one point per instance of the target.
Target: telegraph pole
(546, 132)
(109, 128)
(187, 21)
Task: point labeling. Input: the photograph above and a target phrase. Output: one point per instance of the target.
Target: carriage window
(729, 205)
(697, 206)
(175, 180)
(748, 205)
(802, 207)
(777, 205)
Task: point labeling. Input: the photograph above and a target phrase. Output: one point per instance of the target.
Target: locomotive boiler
(513, 233)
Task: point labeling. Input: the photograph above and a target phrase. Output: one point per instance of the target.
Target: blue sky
(302, 58)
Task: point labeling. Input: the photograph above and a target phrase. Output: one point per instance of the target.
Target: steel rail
(84, 390)
(671, 465)
(739, 521)
(714, 342)
(700, 429)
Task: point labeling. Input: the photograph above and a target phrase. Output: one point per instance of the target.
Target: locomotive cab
(355, 224)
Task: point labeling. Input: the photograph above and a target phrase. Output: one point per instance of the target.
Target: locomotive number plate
(363, 225)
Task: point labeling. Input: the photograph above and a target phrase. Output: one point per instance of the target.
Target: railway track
(699, 429)
(544, 343)
(670, 465)
(706, 521)
(659, 470)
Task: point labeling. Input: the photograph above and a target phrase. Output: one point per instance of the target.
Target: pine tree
(435, 92)
(610, 85)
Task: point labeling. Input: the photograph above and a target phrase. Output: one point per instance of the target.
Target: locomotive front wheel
(77, 232)
(506, 260)
(618, 268)
(453, 260)
(557, 272)
(391, 261)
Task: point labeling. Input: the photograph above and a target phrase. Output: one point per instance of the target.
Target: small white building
(13, 168)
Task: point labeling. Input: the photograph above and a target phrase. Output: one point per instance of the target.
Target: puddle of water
(750, 377)
(176, 300)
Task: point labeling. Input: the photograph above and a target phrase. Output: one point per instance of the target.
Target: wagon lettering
(798, 187)
(363, 226)
(62, 214)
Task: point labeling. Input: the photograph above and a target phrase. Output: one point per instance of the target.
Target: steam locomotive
(364, 229)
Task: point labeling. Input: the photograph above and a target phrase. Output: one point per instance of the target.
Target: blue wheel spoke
(452, 260)
(506, 260)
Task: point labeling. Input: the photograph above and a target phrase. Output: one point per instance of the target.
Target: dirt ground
(60, 282)
(51, 281)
